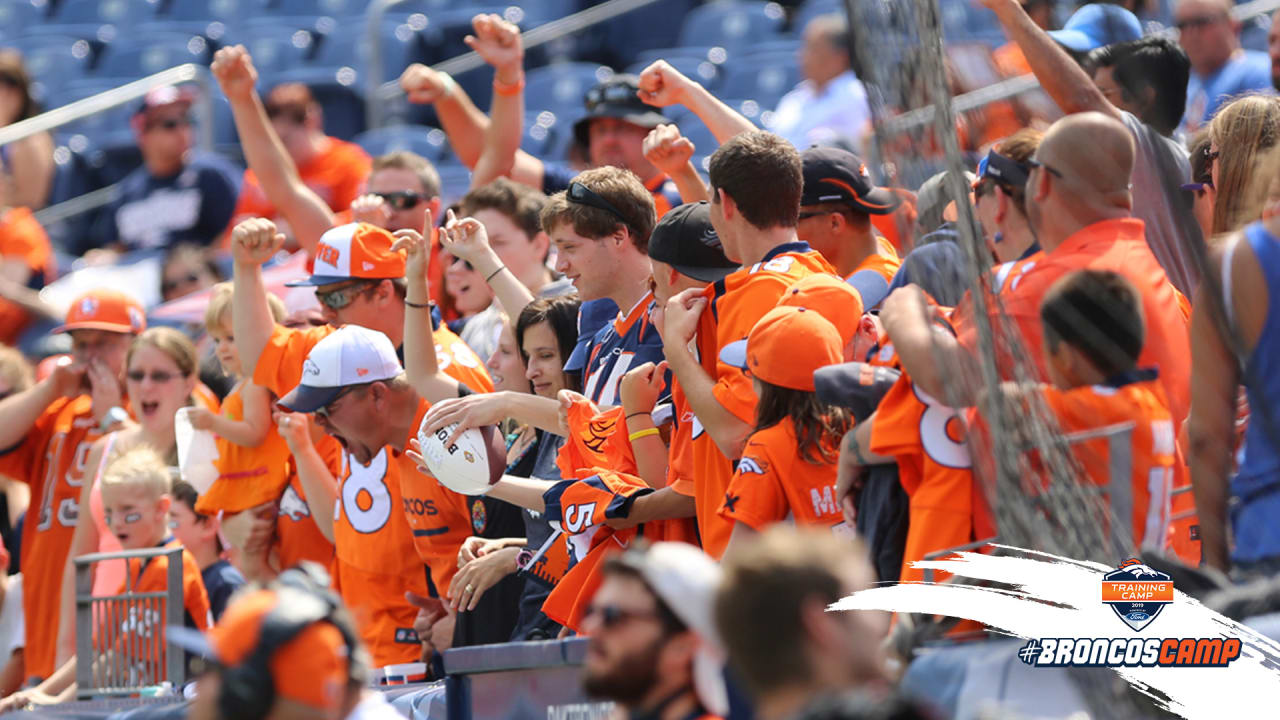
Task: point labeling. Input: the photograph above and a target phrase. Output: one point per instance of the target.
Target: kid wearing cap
(46, 429)
(788, 469)
(136, 502)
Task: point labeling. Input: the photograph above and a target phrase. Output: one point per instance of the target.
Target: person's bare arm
(524, 492)
(463, 123)
(1211, 427)
(32, 161)
(468, 239)
(639, 391)
(308, 215)
(662, 85)
(490, 409)
(663, 504)
(671, 152)
(21, 411)
(317, 482)
(84, 540)
(498, 42)
(935, 359)
(253, 242)
(420, 364)
(13, 673)
(1061, 77)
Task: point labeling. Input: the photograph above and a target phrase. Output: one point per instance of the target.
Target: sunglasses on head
(341, 297)
(402, 199)
(159, 376)
(613, 93)
(583, 195)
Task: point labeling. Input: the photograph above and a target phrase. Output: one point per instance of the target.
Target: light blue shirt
(1247, 71)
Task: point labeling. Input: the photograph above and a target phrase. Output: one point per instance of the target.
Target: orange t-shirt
(22, 237)
(140, 637)
(374, 544)
(247, 476)
(297, 536)
(736, 303)
(335, 174)
(51, 459)
(773, 483)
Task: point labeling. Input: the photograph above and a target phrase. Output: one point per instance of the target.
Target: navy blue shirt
(221, 580)
(150, 212)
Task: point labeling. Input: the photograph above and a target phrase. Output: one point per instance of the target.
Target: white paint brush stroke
(1248, 686)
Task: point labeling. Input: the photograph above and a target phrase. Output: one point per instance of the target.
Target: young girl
(788, 469)
(253, 459)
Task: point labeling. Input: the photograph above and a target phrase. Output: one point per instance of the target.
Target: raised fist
(423, 85)
(255, 241)
(667, 149)
(498, 42)
(662, 85)
(233, 68)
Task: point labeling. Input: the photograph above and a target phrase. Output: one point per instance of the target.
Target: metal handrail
(380, 92)
(1013, 87)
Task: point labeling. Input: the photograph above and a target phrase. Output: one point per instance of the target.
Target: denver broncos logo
(597, 432)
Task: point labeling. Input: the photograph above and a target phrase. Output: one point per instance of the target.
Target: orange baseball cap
(834, 299)
(309, 668)
(354, 251)
(105, 310)
(786, 346)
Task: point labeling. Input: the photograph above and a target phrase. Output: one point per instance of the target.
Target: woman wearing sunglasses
(160, 378)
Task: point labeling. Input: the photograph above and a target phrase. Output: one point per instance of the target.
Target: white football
(464, 467)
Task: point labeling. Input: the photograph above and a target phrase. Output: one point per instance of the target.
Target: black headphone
(303, 599)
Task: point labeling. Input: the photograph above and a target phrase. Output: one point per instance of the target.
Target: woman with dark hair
(27, 163)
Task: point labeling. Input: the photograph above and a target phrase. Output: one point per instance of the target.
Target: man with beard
(653, 648)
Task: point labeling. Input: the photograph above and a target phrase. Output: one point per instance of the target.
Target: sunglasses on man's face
(612, 616)
(159, 377)
(168, 124)
(341, 297)
(402, 199)
(172, 284)
(1197, 23)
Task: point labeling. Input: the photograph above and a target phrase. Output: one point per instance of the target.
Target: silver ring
(469, 588)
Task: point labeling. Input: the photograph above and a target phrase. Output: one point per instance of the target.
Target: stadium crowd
(716, 399)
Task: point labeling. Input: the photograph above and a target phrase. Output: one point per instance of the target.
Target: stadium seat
(764, 78)
(697, 67)
(311, 8)
(455, 180)
(18, 15)
(343, 47)
(1253, 34)
(273, 49)
(52, 61)
(430, 143)
(547, 136)
(811, 9)
(732, 24)
(132, 59)
(704, 142)
(621, 40)
(338, 91)
(562, 87)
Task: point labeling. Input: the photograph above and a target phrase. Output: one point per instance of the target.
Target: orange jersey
(773, 483)
(1136, 398)
(736, 303)
(140, 636)
(884, 262)
(247, 476)
(382, 616)
(440, 519)
(297, 536)
(335, 174)
(596, 440)
(680, 471)
(928, 440)
(23, 238)
(51, 459)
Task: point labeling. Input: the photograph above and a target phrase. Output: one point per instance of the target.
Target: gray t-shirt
(1160, 167)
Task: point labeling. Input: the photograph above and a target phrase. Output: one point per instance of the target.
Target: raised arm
(420, 363)
(21, 411)
(498, 42)
(1060, 76)
(671, 152)
(307, 214)
(468, 239)
(935, 359)
(318, 483)
(662, 85)
(253, 242)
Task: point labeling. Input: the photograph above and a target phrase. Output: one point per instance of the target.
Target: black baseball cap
(617, 98)
(685, 240)
(857, 386)
(835, 175)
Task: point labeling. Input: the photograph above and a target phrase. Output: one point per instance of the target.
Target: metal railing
(120, 639)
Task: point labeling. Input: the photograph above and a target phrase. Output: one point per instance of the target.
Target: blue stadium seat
(732, 24)
(18, 15)
(455, 180)
(561, 87)
(210, 18)
(812, 9)
(784, 46)
(88, 16)
(273, 49)
(430, 143)
(697, 67)
(704, 142)
(548, 136)
(54, 60)
(1253, 35)
(338, 91)
(132, 59)
(763, 78)
(311, 8)
(343, 47)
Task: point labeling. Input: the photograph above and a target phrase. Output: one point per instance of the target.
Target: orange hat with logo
(834, 299)
(310, 667)
(786, 346)
(105, 310)
(354, 251)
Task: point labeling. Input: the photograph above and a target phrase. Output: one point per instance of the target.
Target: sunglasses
(293, 115)
(341, 297)
(169, 286)
(612, 93)
(169, 124)
(326, 411)
(612, 616)
(583, 195)
(402, 199)
(1032, 162)
(1200, 21)
(160, 376)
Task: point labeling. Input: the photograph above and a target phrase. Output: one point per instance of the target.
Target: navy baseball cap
(1098, 25)
(835, 175)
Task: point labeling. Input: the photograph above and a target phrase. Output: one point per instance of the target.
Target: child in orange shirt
(788, 468)
(1093, 332)
(252, 459)
(136, 503)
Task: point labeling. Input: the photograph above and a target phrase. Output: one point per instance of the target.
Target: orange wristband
(504, 89)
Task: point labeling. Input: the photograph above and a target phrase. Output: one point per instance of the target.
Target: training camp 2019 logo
(1137, 594)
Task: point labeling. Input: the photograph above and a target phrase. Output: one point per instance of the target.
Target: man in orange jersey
(835, 219)
(334, 169)
(47, 432)
(28, 264)
(756, 182)
(361, 282)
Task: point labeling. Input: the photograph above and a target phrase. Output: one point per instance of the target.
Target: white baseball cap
(351, 355)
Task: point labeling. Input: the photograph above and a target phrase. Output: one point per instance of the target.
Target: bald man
(1220, 68)
(1079, 207)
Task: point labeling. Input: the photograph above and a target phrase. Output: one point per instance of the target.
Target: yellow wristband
(642, 433)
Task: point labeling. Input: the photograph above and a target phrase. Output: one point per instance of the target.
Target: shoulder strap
(1228, 256)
